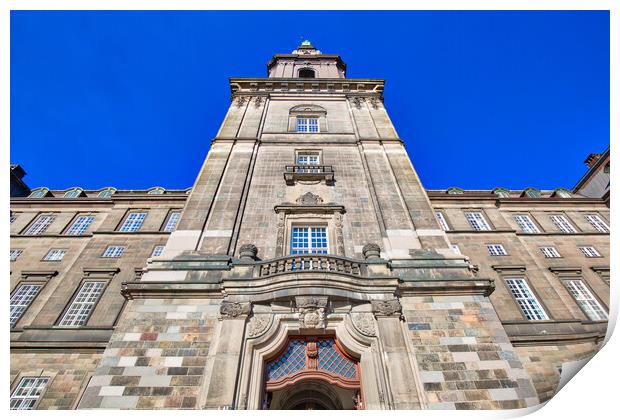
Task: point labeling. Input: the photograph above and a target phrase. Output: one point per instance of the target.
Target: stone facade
(308, 241)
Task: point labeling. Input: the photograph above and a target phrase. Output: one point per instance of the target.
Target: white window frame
(40, 225)
(173, 219)
(586, 300)
(27, 393)
(307, 125)
(55, 254)
(526, 223)
(157, 250)
(113, 251)
(562, 223)
(80, 225)
(310, 248)
(550, 252)
(441, 219)
(496, 250)
(477, 221)
(15, 253)
(308, 158)
(526, 299)
(133, 222)
(597, 222)
(589, 251)
(82, 304)
(21, 299)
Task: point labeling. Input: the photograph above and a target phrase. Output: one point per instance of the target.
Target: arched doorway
(312, 373)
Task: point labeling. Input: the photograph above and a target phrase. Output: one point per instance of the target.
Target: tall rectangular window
(173, 219)
(27, 392)
(21, 299)
(598, 223)
(589, 251)
(82, 304)
(550, 252)
(55, 255)
(309, 240)
(496, 250)
(113, 251)
(15, 253)
(158, 250)
(80, 225)
(307, 125)
(133, 222)
(562, 223)
(442, 220)
(477, 221)
(40, 225)
(525, 298)
(526, 224)
(586, 301)
(13, 217)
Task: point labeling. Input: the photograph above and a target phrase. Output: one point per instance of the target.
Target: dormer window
(39, 193)
(73, 193)
(532, 193)
(306, 74)
(156, 190)
(307, 125)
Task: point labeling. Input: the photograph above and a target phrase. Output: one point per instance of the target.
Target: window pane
(83, 303)
(15, 253)
(477, 221)
(21, 299)
(80, 225)
(586, 300)
(589, 251)
(133, 222)
(113, 251)
(550, 252)
(173, 219)
(598, 223)
(442, 220)
(158, 250)
(562, 224)
(526, 224)
(496, 250)
(40, 225)
(526, 299)
(55, 255)
(309, 240)
(27, 393)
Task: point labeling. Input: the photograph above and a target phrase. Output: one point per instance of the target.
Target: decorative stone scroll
(364, 322)
(309, 199)
(259, 323)
(391, 307)
(311, 311)
(234, 309)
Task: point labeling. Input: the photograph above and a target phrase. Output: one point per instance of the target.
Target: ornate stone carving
(240, 101)
(339, 236)
(311, 311)
(374, 102)
(280, 235)
(389, 307)
(258, 101)
(248, 251)
(259, 323)
(357, 101)
(233, 309)
(371, 251)
(364, 323)
(309, 199)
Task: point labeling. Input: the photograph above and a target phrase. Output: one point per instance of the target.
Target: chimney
(592, 159)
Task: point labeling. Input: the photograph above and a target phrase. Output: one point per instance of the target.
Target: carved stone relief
(389, 307)
(233, 309)
(311, 311)
(259, 323)
(364, 323)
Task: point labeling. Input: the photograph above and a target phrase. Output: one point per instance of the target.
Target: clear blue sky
(481, 99)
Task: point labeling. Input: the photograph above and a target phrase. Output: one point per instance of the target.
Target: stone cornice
(255, 86)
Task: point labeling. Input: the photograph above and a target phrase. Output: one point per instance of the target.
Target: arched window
(106, 193)
(73, 193)
(306, 74)
(156, 190)
(39, 193)
(501, 192)
(531, 193)
(454, 190)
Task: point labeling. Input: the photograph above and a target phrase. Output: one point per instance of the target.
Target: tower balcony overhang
(265, 86)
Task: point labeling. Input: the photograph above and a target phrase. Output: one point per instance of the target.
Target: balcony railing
(311, 262)
(294, 173)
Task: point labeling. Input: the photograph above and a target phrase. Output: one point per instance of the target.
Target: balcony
(309, 262)
(303, 173)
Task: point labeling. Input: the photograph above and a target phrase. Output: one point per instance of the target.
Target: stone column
(403, 392)
(222, 365)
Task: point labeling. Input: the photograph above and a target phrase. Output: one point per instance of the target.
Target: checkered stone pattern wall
(464, 356)
(156, 357)
(543, 364)
(68, 373)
